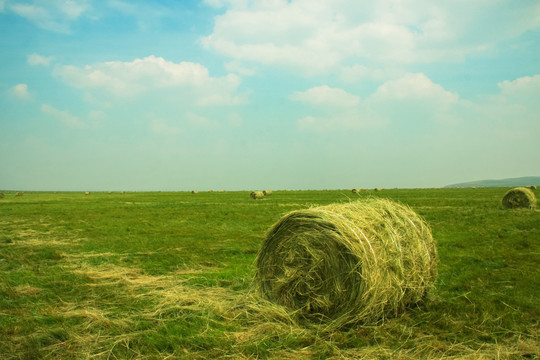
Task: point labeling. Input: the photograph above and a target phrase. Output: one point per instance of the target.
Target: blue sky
(270, 94)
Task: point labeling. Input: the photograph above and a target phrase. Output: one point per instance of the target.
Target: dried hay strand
(267, 192)
(256, 195)
(519, 197)
(350, 263)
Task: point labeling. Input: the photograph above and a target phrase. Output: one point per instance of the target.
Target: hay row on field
(519, 197)
(347, 263)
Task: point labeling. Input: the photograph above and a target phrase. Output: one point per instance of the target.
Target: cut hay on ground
(267, 192)
(519, 197)
(257, 195)
(347, 263)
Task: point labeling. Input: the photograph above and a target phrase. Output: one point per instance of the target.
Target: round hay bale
(87, 193)
(194, 192)
(377, 189)
(267, 192)
(532, 187)
(256, 195)
(519, 197)
(347, 263)
(355, 191)
(19, 193)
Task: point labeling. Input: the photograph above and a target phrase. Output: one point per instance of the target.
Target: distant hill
(522, 181)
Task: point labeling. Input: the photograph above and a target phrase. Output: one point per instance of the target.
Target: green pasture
(168, 275)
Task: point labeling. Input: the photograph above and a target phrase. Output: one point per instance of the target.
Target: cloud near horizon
(63, 116)
(415, 98)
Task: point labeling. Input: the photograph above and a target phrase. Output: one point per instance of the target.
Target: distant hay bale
(519, 197)
(19, 193)
(256, 195)
(532, 187)
(194, 192)
(355, 191)
(377, 189)
(347, 263)
(267, 192)
(87, 193)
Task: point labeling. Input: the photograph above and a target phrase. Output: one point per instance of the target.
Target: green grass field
(166, 275)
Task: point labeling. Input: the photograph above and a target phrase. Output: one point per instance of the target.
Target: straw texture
(256, 195)
(357, 262)
(519, 197)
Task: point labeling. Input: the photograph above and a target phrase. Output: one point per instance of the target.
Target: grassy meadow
(168, 275)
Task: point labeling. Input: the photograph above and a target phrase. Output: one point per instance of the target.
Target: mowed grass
(168, 275)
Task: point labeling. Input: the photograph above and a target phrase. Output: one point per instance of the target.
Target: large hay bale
(194, 191)
(267, 192)
(355, 191)
(256, 195)
(347, 263)
(519, 197)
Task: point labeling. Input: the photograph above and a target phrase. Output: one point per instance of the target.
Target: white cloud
(53, 15)
(415, 87)
(21, 91)
(522, 88)
(73, 9)
(143, 76)
(326, 96)
(200, 121)
(35, 59)
(318, 36)
(413, 101)
(238, 68)
(410, 98)
(516, 103)
(160, 126)
(63, 116)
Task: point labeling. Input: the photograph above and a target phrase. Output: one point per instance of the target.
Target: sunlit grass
(151, 275)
